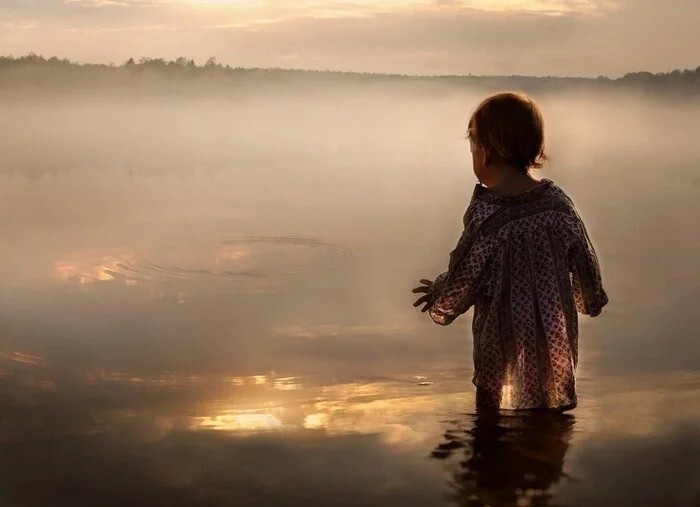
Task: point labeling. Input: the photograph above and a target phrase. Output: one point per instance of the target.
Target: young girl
(524, 261)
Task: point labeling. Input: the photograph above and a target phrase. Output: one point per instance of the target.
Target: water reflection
(507, 459)
(399, 409)
(186, 433)
(204, 258)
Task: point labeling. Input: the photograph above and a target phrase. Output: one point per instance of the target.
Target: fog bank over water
(381, 175)
(185, 276)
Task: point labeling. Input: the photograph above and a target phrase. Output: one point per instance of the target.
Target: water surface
(207, 302)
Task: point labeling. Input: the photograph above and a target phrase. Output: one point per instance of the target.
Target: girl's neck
(507, 180)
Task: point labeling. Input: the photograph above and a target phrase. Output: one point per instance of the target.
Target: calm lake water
(208, 302)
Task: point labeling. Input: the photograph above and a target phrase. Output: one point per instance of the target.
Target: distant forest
(32, 72)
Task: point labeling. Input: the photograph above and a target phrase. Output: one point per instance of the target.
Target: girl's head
(507, 129)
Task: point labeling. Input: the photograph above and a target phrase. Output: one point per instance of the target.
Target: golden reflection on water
(23, 357)
(83, 273)
(88, 267)
(403, 409)
(229, 253)
(172, 380)
(207, 257)
(390, 407)
(234, 421)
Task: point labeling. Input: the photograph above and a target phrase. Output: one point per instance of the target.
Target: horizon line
(292, 69)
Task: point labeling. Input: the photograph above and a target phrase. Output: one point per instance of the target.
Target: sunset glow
(482, 37)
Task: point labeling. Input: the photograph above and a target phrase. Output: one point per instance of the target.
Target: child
(524, 261)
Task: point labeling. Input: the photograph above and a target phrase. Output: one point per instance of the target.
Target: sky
(483, 37)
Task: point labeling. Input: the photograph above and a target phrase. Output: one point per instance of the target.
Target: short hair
(509, 127)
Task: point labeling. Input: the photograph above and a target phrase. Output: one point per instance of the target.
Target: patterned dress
(527, 265)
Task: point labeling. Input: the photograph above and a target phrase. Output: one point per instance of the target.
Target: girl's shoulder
(489, 211)
(479, 209)
(555, 191)
(546, 192)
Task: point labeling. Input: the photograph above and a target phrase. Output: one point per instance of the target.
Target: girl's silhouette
(524, 261)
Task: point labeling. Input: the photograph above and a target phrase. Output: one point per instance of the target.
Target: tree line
(182, 67)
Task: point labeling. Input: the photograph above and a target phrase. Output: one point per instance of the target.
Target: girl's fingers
(426, 281)
(421, 300)
(421, 289)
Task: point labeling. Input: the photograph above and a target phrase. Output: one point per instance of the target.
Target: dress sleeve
(584, 272)
(455, 290)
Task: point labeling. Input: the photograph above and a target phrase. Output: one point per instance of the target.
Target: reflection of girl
(524, 261)
(508, 460)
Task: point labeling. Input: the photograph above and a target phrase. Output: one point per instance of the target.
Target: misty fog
(382, 174)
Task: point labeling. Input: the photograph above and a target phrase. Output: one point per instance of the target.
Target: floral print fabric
(527, 266)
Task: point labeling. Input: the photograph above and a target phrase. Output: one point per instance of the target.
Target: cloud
(105, 3)
(535, 37)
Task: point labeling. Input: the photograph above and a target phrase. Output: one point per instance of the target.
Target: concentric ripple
(236, 257)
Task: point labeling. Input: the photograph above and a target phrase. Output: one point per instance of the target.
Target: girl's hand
(423, 299)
